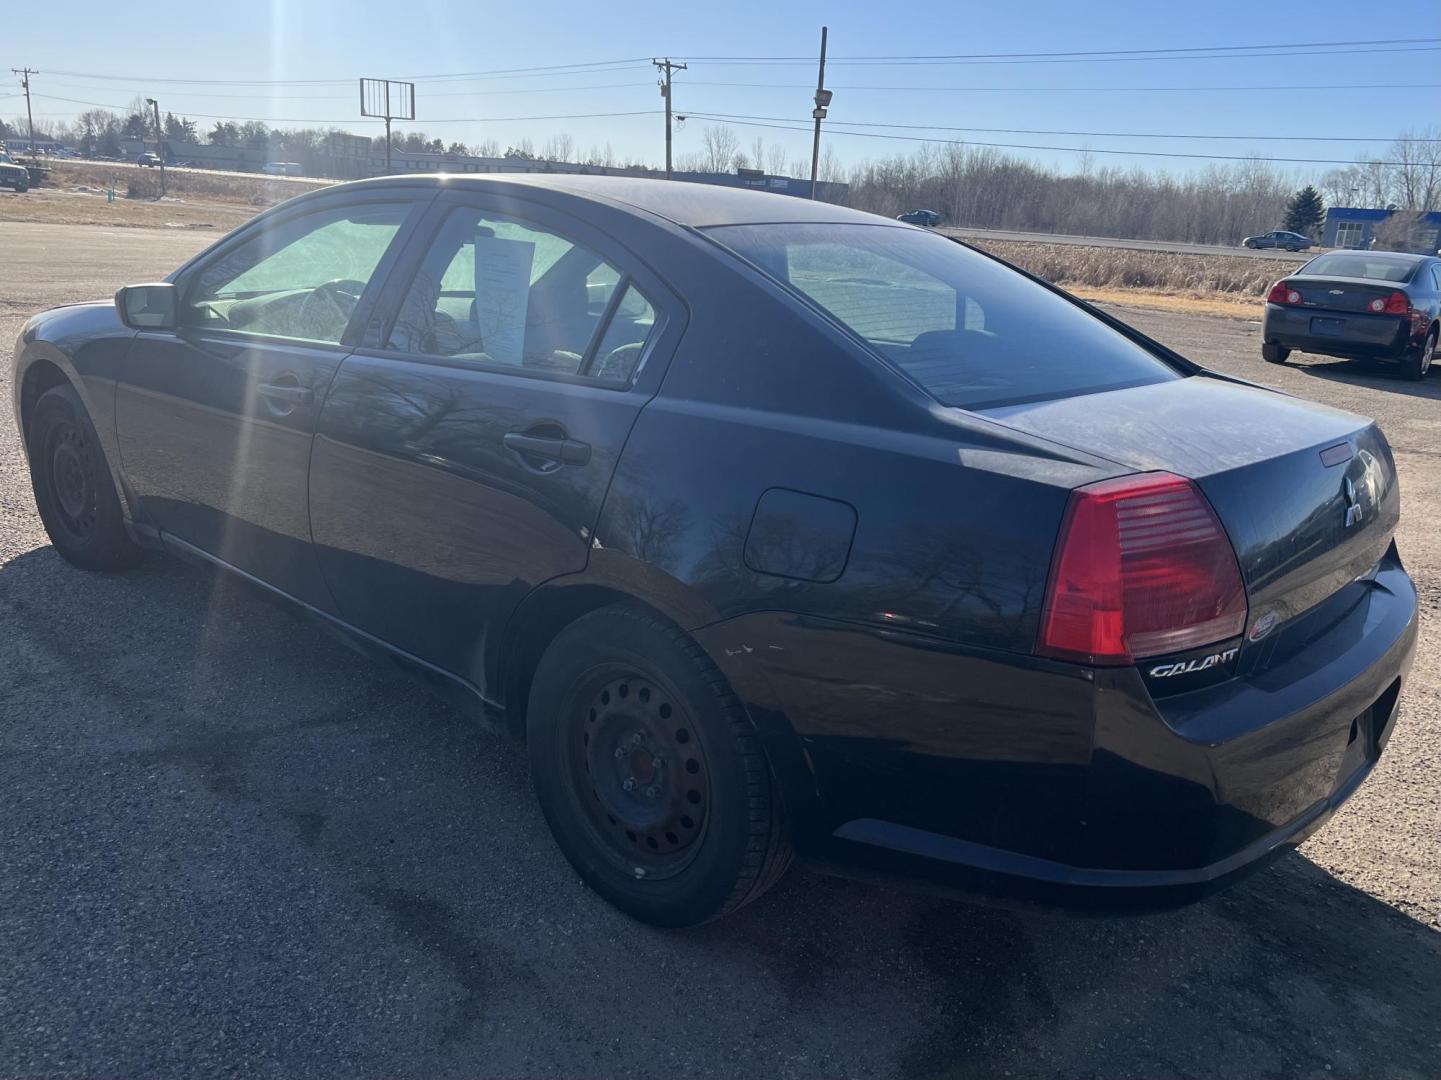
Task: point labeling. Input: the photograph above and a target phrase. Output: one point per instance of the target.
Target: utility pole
(25, 74)
(159, 148)
(823, 99)
(667, 67)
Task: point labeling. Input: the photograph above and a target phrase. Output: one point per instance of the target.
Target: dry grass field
(76, 193)
(1205, 284)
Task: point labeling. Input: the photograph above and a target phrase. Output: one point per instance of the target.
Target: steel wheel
(642, 774)
(71, 461)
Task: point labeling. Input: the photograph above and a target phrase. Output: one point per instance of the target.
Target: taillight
(1143, 567)
(1281, 293)
(1398, 303)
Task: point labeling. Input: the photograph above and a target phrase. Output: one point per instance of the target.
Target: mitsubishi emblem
(1354, 511)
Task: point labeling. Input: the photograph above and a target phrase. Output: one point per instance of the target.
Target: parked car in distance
(772, 526)
(920, 217)
(282, 168)
(1278, 239)
(1359, 305)
(13, 175)
(148, 159)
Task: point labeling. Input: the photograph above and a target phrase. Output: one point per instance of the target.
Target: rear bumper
(1039, 782)
(1379, 337)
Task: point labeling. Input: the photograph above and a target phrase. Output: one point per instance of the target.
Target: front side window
(971, 331)
(300, 279)
(493, 290)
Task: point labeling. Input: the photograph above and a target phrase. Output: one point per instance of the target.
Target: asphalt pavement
(229, 846)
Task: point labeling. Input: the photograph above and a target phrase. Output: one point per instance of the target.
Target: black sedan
(1360, 305)
(772, 526)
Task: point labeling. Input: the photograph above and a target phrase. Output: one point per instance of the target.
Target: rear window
(970, 331)
(1376, 267)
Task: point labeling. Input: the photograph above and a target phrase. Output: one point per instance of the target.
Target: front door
(464, 459)
(215, 419)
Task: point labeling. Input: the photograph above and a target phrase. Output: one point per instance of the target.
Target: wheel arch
(39, 376)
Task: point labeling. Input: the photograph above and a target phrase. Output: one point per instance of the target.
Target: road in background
(1174, 247)
(230, 846)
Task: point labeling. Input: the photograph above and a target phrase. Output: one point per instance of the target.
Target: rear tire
(74, 490)
(1273, 353)
(648, 770)
(1417, 362)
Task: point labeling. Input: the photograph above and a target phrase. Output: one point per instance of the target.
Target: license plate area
(1322, 327)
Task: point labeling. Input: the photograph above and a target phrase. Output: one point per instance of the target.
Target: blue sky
(149, 42)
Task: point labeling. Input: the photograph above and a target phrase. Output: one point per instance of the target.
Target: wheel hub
(647, 774)
(70, 479)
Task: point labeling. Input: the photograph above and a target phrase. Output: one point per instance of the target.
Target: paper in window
(502, 294)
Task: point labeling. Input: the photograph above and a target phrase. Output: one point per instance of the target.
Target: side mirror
(148, 307)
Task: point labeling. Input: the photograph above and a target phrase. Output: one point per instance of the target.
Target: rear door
(215, 418)
(466, 446)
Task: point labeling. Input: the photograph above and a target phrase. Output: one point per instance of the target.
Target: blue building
(1355, 227)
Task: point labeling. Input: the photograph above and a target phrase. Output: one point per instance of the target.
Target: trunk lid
(1340, 293)
(1306, 493)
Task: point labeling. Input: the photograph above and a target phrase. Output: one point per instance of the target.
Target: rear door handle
(292, 395)
(548, 447)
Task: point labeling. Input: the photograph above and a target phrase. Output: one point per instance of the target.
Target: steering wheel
(339, 297)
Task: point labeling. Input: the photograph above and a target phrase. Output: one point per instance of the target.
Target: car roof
(679, 201)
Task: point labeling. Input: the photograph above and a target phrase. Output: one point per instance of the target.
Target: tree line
(980, 187)
(986, 188)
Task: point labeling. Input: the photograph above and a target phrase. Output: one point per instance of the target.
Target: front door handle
(548, 447)
(290, 394)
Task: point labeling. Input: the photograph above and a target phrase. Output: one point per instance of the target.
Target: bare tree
(721, 148)
(775, 159)
(1417, 170)
(558, 148)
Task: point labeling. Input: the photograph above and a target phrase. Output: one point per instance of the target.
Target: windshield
(1376, 267)
(971, 331)
(5, 158)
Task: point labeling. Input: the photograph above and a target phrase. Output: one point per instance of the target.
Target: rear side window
(972, 332)
(497, 291)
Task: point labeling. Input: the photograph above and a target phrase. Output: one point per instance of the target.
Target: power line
(1080, 89)
(1085, 134)
(1066, 149)
(187, 94)
(548, 69)
(352, 120)
(1097, 52)
(1080, 60)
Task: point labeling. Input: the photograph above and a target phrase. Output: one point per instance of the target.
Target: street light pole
(823, 99)
(159, 148)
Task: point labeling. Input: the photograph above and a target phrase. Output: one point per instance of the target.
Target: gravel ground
(230, 847)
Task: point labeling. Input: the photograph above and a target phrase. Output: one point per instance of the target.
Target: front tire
(649, 772)
(74, 491)
(1273, 353)
(1417, 362)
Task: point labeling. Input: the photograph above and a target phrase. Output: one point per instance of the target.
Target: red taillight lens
(1398, 303)
(1282, 293)
(1143, 567)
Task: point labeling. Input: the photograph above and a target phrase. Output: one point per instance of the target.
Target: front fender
(88, 344)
